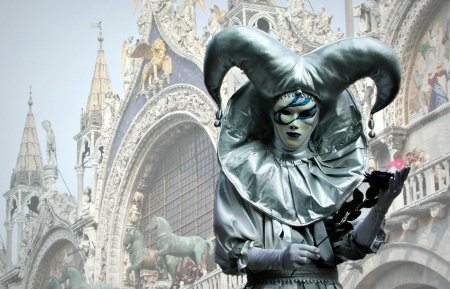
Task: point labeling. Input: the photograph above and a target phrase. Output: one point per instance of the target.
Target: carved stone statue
(322, 25)
(87, 201)
(189, 11)
(127, 49)
(337, 34)
(51, 143)
(213, 21)
(87, 247)
(362, 11)
(135, 215)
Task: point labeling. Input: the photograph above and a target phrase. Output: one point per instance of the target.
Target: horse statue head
(160, 224)
(52, 283)
(72, 274)
(133, 237)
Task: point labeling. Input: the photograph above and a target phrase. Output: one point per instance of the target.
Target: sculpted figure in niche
(87, 201)
(51, 143)
(288, 164)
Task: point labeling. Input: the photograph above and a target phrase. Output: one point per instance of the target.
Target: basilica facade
(152, 151)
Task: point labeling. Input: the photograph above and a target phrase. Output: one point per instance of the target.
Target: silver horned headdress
(333, 162)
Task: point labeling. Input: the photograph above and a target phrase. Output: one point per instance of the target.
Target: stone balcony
(425, 194)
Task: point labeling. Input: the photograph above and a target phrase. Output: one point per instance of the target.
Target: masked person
(292, 149)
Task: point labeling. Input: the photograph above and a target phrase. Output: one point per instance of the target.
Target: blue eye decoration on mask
(299, 99)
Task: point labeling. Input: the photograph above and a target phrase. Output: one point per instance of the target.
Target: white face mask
(294, 118)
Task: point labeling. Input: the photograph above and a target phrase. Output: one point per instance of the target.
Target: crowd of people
(414, 159)
(189, 274)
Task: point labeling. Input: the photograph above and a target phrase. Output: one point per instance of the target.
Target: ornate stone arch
(33, 271)
(172, 106)
(234, 21)
(393, 257)
(266, 16)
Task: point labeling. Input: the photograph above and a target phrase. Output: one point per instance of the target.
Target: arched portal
(57, 250)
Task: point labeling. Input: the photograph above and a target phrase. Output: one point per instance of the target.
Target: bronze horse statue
(142, 257)
(168, 243)
(52, 283)
(76, 280)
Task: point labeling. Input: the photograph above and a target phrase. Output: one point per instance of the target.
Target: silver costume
(268, 196)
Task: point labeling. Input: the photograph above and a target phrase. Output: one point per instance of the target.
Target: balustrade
(430, 178)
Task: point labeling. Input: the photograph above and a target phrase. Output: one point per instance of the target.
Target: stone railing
(425, 181)
(218, 280)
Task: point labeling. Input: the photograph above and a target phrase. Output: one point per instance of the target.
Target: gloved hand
(368, 229)
(291, 258)
(386, 197)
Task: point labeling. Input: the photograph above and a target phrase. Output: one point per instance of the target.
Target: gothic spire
(100, 86)
(29, 164)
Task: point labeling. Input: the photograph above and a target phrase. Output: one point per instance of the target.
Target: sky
(50, 46)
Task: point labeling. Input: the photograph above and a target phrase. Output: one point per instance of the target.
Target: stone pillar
(20, 219)
(349, 27)
(9, 227)
(80, 175)
(94, 165)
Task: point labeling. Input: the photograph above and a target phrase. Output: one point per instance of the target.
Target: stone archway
(173, 106)
(58, 249)
(403, 275)
(400, 265)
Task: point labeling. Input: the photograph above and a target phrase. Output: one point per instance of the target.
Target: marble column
(94, 164)
(9, 227)
(349, 27)
(80, 175)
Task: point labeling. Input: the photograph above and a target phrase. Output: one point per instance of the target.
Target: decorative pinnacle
(100, 39)
(100, 36)
(30, 100)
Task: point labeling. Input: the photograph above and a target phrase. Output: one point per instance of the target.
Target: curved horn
(255, 52)
(335, 66)
(326, 72)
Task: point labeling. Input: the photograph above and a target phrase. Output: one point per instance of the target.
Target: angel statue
(213, 21)
(156, 53)
(292, 150)
(136, 2)
(127, 48)
(189, 11)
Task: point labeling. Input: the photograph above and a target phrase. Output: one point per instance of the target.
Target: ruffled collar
(296, 188)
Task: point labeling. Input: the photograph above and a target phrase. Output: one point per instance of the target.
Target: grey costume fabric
(269, 197)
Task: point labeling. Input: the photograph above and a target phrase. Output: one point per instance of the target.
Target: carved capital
(9, 225)
(392, 137)
(409, 224)
(438, 212)
(79, 169)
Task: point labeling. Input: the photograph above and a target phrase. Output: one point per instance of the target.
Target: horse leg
(137, 273)
(137, 277)
(164, 264)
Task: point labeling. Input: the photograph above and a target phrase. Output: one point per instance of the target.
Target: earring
(371, 125)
